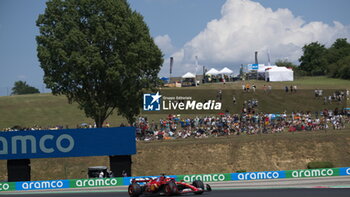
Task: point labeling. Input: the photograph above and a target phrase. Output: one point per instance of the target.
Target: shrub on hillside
(319, 164)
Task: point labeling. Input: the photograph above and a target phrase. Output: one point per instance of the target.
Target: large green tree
(313, 61)
(99, 53)
(21, 87)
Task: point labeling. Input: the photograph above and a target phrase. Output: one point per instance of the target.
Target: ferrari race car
(166, 186)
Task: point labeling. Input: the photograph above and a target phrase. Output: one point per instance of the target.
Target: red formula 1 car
(166, 186)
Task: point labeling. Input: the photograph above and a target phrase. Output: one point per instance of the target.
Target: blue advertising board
(344, 171)
(255, 66)
(41, 185)
(258, 175)
(67, 143)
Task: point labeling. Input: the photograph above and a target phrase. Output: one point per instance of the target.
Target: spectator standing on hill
(291, 89)
(247, 87)
(286, 89)
(234, 100)
(219, 95)
(269, 88)
(295, 88)
(264, 88)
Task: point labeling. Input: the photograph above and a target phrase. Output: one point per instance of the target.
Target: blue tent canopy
(165, 79)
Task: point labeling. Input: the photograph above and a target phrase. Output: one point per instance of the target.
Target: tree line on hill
(21, 87)
(318, 60)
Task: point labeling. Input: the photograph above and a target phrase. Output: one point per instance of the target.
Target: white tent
(279, 74)
(262, 69)
(225, 71)
(212, 71)
(188, 75)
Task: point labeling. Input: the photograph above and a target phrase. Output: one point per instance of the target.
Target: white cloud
(164, 43)
(246, 26)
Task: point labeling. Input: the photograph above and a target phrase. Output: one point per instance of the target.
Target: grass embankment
(320, 82)
(43, 110)
(284, 151)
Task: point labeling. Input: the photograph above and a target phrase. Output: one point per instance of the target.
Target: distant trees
(285, 63)
(338, 57)
(333, 61)
(314, 61)
(21, 87)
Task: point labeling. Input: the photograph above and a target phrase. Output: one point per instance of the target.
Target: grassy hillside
(301, 83)
(48, 110)
(43, 110)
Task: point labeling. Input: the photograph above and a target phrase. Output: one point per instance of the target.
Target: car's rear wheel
(198, 184)
(134, 190)
(171, 189)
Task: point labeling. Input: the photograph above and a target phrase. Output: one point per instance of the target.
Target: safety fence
(110, 182)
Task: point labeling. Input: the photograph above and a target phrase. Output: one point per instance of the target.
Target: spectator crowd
(248, 122)
(175, 127)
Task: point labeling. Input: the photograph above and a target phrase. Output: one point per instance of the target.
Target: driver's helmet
(162, 178)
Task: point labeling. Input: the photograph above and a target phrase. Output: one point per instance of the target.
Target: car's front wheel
(171, 189)
(134, 190)
(198, 184)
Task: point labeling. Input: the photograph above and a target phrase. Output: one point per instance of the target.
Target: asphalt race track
(308, 187)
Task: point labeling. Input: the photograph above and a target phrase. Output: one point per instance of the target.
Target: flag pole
(195, 74)
(171, 67)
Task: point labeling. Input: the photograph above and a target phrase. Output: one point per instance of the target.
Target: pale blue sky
(181, 20)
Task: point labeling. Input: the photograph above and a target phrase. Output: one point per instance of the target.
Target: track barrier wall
(111, 182)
